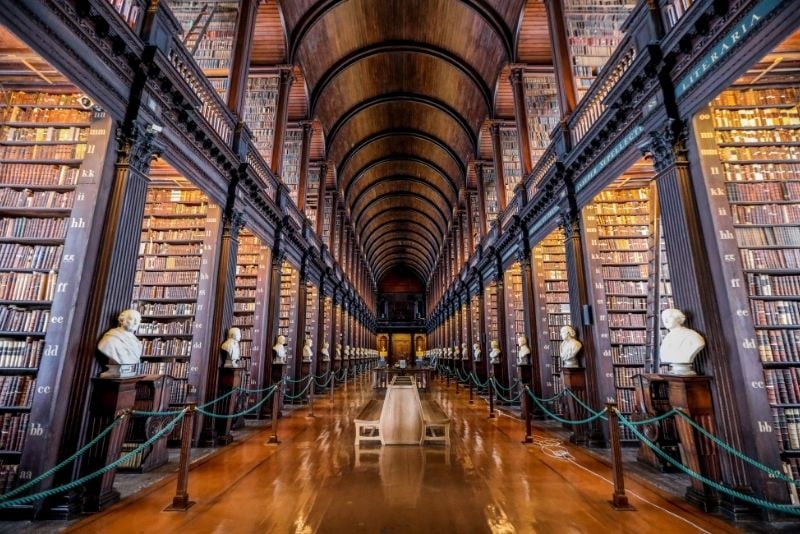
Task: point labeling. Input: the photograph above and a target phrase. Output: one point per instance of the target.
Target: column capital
(137, 145)
(667, 146)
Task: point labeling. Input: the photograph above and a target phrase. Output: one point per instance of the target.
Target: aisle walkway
(313, 482)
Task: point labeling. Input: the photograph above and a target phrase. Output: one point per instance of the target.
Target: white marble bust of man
(337, 353)
(326, 354)
(570, 347)
(681, 345)
(494, 355)
(308, 353)
(121, 346)
(456, 353)
(524, 351)
(476, 352)
(279, 351)
(231, 347)
(347, 353)
(464, 352)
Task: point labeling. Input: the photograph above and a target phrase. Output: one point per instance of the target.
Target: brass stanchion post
(181, 502)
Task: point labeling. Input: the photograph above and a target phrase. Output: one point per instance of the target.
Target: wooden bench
(437, 424)
(368, 422)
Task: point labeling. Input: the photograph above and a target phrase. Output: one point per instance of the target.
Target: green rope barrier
(221, 397)
(500, 395)
(291, 381)
(326, 383)
(259, 390)
(295, 397)
(141, 413)
(477, 382)
(785, 508)
(509, 388)
(579, 401)
(79, 482)
(554, 397)
(561, 419)
(655, 419)
(242, 413)
(770, 471)
(60, 466)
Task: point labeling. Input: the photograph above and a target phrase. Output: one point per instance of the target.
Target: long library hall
(400, 266)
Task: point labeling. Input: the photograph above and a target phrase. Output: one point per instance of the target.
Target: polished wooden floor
(314, 481)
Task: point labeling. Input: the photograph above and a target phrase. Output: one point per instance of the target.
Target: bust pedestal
(497, 373)
(110, 397)
(322, 370)
(152, 395)
(297, 387)
(276, 378)
(230, 378)
(574, 378)
(692, 394)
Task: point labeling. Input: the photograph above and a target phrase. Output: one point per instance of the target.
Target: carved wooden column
(240, 55)
(332, 225)
(470, 225)
(579, 295)
(739, 383)
(335, 326)
(483, 225)
(470, 366)
(281, 118)
(308, 131)
(561, 62)
(497, 153)
(296, 359)
(222, 314)
(273, 313)
(517, 79)
(507, 358)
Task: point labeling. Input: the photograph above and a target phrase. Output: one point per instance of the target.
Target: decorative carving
(667, 146)
(570, 225)
(137, 146)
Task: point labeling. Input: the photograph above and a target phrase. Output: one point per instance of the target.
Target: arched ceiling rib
(401, 89)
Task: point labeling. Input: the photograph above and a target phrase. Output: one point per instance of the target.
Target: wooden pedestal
(110, 397)
(322, 370)
(692, 394)
(230, 378)
(651, 399)
(278, 373)
(152, 395)
(575, 380)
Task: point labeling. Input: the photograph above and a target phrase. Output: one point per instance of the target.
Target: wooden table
(381, 377)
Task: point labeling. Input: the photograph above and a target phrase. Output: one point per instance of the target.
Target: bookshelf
(465, 235)
(327, 323)
(287, 309)
(490, 192)
(292, 152)
(552, 306)
(475, 206)
(593, 34)
(512, 165)
(312, 195)
(209, 30)
(172, 286)
(129, 10)
(326, 222)
(515, 312)
(250, 301)
(312, 317)
(673, 10)
(47, 144)
(748, 150)
(492, 320)
(542, 110)
(621, 243)
(476, 325)
(260, 107)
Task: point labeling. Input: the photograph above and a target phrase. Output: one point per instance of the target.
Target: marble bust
(449, 353)
(326, 354)
(121, 346)
(337, 354)
(308, 354)
(230, 348)
(494, 355)
(681, 345)
(279, 351)
(570, 347)
(524, 351)
(347, 353)
(476, 352)
(456, 353)
(464, 352)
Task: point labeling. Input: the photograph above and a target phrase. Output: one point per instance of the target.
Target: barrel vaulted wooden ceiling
(402, 91)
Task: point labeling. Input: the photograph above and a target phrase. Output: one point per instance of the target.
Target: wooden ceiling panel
(412, 170)
(269, 40)
(398, 147)
(503, 97)
(402, 74)
(533, 38)
(465, 34)
(298, 97)
(399, 184)
(400, 117)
